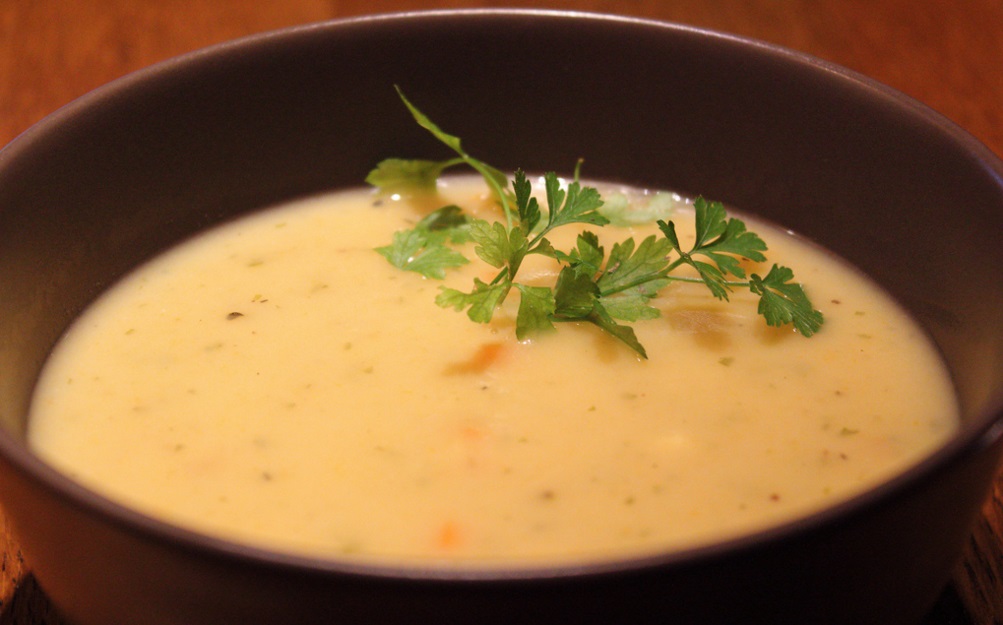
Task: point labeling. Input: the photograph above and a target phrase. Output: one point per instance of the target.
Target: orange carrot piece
(449, 536)
(472, 433)
(485, 356)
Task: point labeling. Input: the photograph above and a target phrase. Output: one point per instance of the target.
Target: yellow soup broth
(277, 382)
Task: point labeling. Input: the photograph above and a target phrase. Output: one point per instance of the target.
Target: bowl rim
(984, 432)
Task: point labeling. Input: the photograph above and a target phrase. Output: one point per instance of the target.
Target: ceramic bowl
(138, 165)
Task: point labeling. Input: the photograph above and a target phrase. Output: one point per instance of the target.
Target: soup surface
(277, 382)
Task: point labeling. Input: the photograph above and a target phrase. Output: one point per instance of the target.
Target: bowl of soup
(271, 353)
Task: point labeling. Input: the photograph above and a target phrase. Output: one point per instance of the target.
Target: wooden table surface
(947, 54)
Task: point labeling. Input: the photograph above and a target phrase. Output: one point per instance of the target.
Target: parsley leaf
(480, 303)
(536, 307)
(632, 278)
(601, 318)
(624, 211)
(497, 245)
(632, 304)
(577, 298)
(575, 294)
(527, 205)
(397, 174)
(576, 205)
(628, 267)
(782, 302)
(424, 249)
(587, 256)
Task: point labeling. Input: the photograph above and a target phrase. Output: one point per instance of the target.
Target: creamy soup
(277, 382)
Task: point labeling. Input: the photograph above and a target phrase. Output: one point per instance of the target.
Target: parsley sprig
(610, 291)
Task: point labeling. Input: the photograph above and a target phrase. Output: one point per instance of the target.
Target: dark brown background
(946, 54)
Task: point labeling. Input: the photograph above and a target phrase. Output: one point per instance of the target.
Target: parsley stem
(739, 283)
(501, 274)
(499, 191)
(451, 162)
(664, 275)
(672, 266)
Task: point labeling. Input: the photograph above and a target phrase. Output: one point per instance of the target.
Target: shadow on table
(29, 606)
(948, 611)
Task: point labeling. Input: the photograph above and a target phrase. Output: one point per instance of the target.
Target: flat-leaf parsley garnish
(610, 291)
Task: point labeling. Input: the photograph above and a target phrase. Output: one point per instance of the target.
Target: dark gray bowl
(146, 161)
